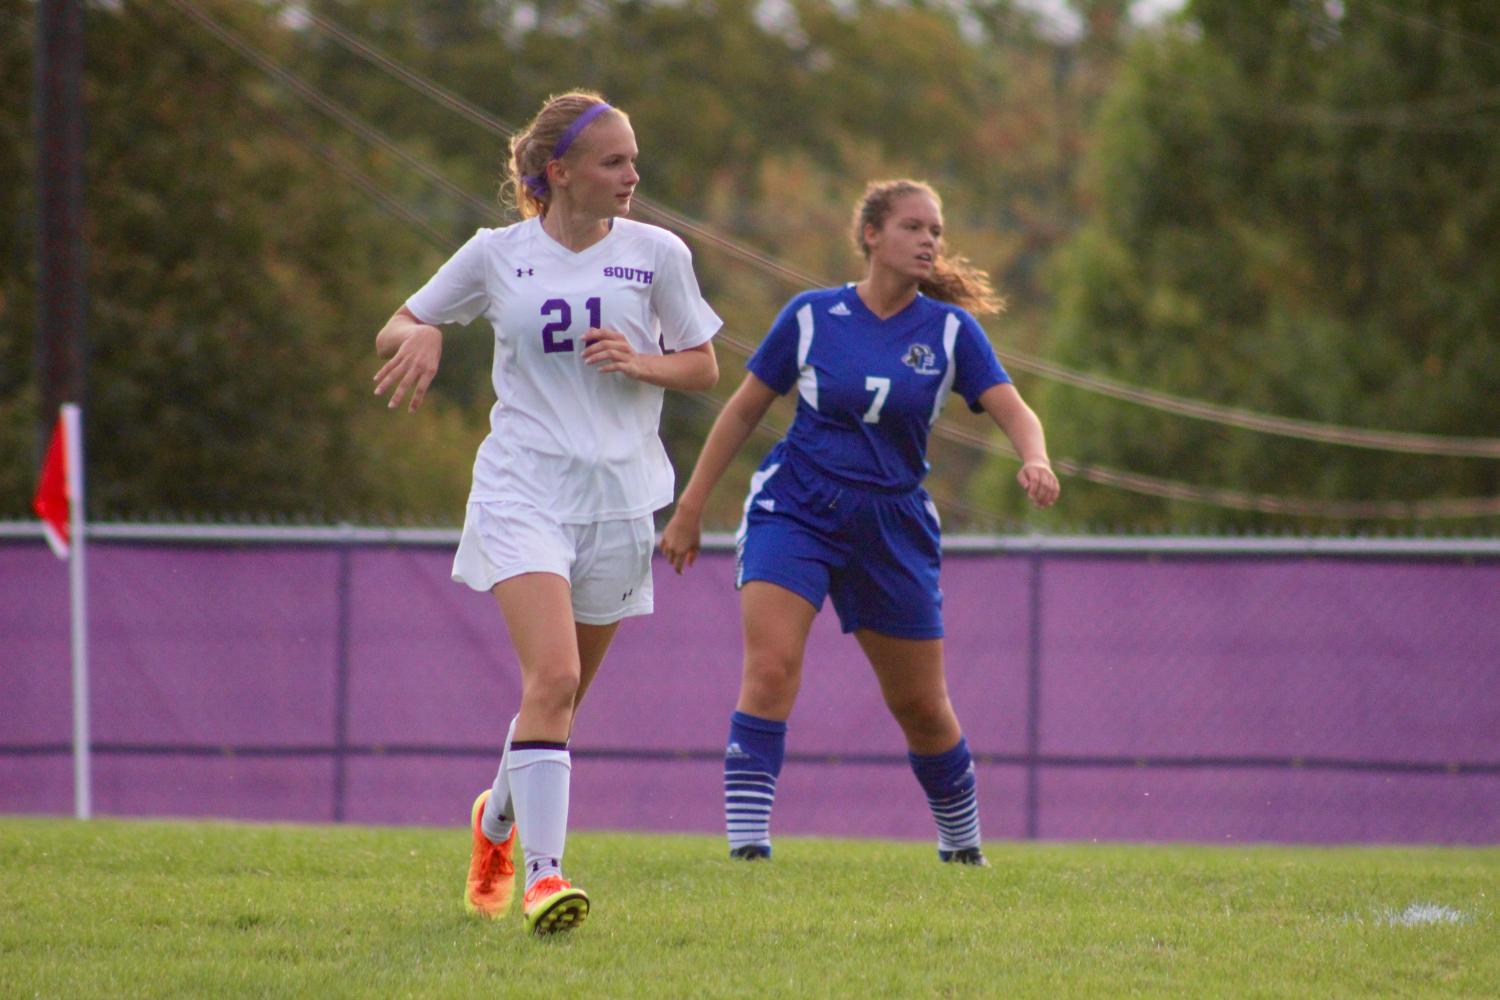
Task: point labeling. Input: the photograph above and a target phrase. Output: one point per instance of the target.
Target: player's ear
(557, 174)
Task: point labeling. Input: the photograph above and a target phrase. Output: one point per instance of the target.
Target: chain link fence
(1292, 690)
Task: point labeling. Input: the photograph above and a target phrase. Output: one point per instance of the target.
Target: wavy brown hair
(531, 148)
(954, 279)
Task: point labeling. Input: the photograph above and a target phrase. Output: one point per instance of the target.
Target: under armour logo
(839, 310)
(627, 593)
(527, 273)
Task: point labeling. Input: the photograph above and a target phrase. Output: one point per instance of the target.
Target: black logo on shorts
(626, 595)
(528, 272)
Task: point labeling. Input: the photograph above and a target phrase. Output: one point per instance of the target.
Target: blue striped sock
(948, 780)
(752, 761)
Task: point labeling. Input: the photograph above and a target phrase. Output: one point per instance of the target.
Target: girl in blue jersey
(837, 508)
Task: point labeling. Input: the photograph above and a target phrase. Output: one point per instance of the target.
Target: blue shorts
(876, 554)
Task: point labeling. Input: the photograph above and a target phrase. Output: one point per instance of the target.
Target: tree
(239, 270)
(19, 456)
(1296, 212)
(234, 292)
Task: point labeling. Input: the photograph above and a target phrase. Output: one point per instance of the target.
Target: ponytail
(953, 279)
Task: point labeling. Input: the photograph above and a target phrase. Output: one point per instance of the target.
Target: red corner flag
(54, 492)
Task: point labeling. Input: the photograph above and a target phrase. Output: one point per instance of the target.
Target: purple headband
(537, 183)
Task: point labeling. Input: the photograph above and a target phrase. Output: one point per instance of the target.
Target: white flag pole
(73, 433)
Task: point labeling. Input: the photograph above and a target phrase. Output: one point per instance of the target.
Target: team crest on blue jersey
(921, 359)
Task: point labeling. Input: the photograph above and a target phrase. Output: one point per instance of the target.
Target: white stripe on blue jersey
(807, 375)
(950, 337)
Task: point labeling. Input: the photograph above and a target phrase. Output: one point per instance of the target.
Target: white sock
(539, 775)
(499, 815)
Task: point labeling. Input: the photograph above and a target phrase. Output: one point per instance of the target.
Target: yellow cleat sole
(561, 911)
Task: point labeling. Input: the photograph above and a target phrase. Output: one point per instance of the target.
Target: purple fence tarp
(1109, 696)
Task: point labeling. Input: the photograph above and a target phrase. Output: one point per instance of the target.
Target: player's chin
(622, 205)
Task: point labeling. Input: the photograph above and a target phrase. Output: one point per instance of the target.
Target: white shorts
(607, 563)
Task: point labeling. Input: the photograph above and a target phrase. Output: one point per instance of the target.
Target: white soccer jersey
(564, 437)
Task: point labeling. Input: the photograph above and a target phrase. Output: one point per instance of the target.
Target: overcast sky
(1065, 22)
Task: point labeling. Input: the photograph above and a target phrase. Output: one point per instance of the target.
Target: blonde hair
(953, 278)
(531, 149)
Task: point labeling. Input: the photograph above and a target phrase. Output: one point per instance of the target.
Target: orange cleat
(492, 873)
(553, 905)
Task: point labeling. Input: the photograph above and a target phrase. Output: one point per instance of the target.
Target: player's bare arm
(682, 537)
(412, 349)
(1020, 423)
(692, 370)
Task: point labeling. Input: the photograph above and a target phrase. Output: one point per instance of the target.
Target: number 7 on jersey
(881, 387)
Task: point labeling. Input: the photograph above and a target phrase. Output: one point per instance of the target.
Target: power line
(1167, 489)
(375, 136)
(1264, 503)
(345, 169)
(331, 108)
(353, 43)
(1386, 11)
(1309, 430)
(1421, 444)
(324, 153)
(673, 219)
(1306, 430)
(351, 173)
(1421, 115)
(1134, 482)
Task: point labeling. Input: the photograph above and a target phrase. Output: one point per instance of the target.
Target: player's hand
(412, 368)
(1040, 483)
(609, 351)
(681, 539)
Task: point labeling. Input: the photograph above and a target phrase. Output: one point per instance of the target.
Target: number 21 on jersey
(551, 343)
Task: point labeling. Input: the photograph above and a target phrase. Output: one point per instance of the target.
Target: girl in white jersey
(594, 315)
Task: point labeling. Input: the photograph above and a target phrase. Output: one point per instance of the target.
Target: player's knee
(923, 715)
(553, 691)
(770, 683)
(772, 670)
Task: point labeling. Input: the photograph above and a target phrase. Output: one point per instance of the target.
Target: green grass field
(119, 908)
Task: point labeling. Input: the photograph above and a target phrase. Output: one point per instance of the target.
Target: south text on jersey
(630, 274)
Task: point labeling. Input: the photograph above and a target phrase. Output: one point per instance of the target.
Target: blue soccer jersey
(869, 389)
